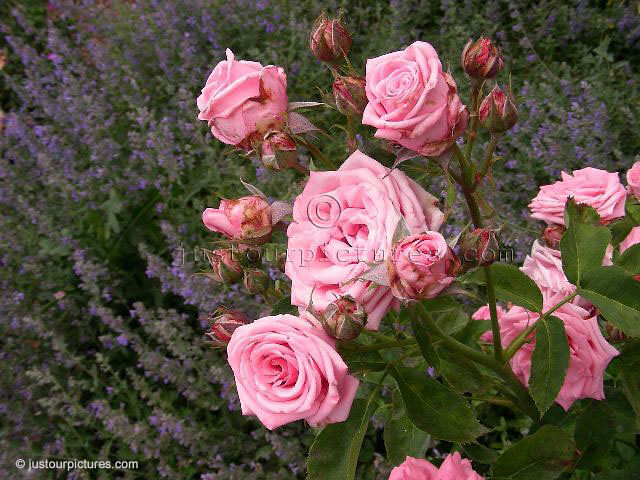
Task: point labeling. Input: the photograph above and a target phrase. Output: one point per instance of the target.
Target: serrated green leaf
(617, 296)
(630, 375)
(595, 429)
(461, 373)
(436, 409)
(401, 436)
(584, 243)
(479, 453)
(514, 286)
(424, 342)
(335, 450)
(630, 260)
(549, 362)
(541, 456)
(283, 306)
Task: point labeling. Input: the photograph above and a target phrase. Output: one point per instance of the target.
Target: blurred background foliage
(105, 171)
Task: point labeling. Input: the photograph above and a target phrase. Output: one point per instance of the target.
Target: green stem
(299, 168)
(495, 326)
(351, 134)
(476, 87)
(487, 161)
(525, 403)
(315, 151)
(382, 345)
(494, 400)
(523, 338)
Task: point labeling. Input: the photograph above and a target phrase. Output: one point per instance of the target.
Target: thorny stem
(487, 161)
(315, 151)
(523, 338)
(351, 134)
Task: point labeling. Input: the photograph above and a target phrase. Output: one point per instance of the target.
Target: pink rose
(414, 469)
(631, 239)
(597, 188)
(241, 99)
(633, 179)
(412, 101)
(343, 221)
(589, 351)
(286, 369)
(454, 467)
(421, 266)
(246, 219)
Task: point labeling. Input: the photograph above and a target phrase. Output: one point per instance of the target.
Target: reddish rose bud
(225, 267)
(479, 247)
(481, 59)
(421, 266)
(329, 40)
(255, 281)
(222, 324)
(278, 151)
(247, 219)
(498, 112)
(344, 318)
(552, 236)
(350, 95)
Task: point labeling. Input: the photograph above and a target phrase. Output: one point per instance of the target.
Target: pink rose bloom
(241, 99)
(246, 219)
(286, 369)
(454, 467)
(631, 239)
(597, 188)
(633, 179)
(589, 351)
(343, 221)
(414, 469)
(421, 266)
(544, 266)
(412, 101)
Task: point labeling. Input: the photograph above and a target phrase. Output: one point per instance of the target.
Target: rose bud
(226, 269)
(329, 40)
(255, 281)
(344, 318)
(247, 219)
(350, 95)
(497, 111)
(552, 236)
(223, 323)
(421, 266)
(481, 59)
(479, 247)
(278, 151)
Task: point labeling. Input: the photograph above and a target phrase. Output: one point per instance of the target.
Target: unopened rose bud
(344, 318)
(481, 59)
(225, 268)
(222, 323)
(329, 40)
(421, 266)
(497, 112)
(479, 247)
(255, 281)
(350, 95)
(278, 151)
(552, 236)
(247, 219)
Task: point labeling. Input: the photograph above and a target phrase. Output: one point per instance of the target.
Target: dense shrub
(105, 172)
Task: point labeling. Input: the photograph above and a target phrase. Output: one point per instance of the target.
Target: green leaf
(479, 453)
(583, 245)
(630, 375)
(630, 260)
(401, 436)
(283, 306)
(514, 286)
(461, 373)
(617, 296)
(595, 429)
(335, 450)
(541, 456)
(436, 409)
(359, 361)
(424, 342)
(549, 362)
